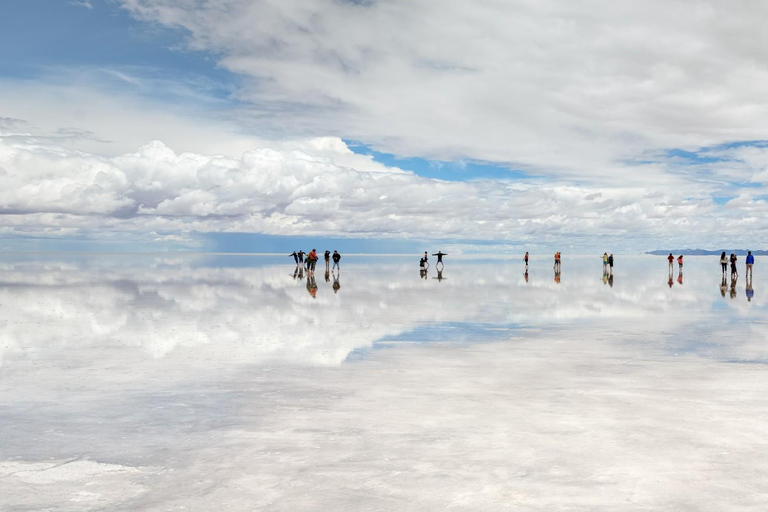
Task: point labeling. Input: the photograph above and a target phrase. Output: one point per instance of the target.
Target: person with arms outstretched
(439, 255)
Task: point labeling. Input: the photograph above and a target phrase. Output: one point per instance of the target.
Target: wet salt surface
(204, 383)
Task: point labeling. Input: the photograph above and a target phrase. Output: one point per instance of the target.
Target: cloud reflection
(271, 313)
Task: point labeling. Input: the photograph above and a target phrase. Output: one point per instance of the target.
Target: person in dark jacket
(336, 258)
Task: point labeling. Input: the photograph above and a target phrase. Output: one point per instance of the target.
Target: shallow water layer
(209, 382)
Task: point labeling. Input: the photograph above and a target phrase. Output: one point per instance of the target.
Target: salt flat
(199, 383)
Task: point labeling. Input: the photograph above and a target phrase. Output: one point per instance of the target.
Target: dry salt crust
(607, 408)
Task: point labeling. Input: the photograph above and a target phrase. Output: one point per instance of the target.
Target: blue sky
(170, 125)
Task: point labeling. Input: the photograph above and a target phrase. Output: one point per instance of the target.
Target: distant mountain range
(704, 252)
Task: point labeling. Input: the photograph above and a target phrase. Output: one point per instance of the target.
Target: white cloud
(319, 188)
(552, 86)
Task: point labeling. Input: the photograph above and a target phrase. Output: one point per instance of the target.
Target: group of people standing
(424, 261)
(607, 264)
(310, 261)
(732, 259)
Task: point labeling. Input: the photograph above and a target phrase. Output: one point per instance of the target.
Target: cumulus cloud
(320, 187)
(553, 86)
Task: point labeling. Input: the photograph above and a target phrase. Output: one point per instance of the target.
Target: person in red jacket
(312, 256)
(680, 262)
(671, 260)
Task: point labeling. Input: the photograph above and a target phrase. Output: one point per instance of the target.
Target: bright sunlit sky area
(383, 126)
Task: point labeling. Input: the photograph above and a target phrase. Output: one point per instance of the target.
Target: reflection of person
(671, 280)
(327, 260)
(734, 280)
(610, 280)
(750, 262)
(526, 261)
(327, 276)
(750, 291)
(723, 285)
(336, 258)
(680, 278)
(557, 277)
(295, 257)
(439, 275)
(336, 284)
(724, 263)
(526, 276)
(312, 285)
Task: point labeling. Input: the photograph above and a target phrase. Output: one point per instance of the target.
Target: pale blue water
(144, 372)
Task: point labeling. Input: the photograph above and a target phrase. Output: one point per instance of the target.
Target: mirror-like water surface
(242, 382)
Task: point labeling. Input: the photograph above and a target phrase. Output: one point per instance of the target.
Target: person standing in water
(312, 260)
(336, 257)
(680, 262)
(558, 260)
(750, 262)
(295, 257)
(605, 263)
(327, 260)
(724, 263)
(301, 256)
(610, 265)
(439, 255)
(526, 261)
(671, 260)
(733, 259)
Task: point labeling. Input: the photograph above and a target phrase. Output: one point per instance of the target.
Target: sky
(475, 126)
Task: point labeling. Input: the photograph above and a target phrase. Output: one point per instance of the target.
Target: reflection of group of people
(671, 260)
(725, 262)
(734, 280)
(309, 263)
(439, 266)
(557, 268)
(732, 259)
